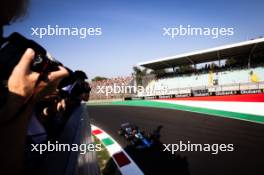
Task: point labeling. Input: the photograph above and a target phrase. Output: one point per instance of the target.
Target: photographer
(22, 85)
(50, 112)
(86, 92)
(54, 111)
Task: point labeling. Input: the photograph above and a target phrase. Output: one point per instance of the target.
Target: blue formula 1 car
(135, 136)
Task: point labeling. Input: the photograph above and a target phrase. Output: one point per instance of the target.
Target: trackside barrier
(104, 101)
(76, 131)
(211, 89)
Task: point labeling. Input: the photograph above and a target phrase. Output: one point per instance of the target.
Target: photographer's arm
(21, 85)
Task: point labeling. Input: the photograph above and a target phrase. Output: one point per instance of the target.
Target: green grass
(106, 163)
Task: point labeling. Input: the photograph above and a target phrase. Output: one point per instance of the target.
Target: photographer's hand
(23, 81)
(22, 85)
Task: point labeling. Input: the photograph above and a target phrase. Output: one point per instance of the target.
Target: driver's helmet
(134, 131)
(139, 135)
(128, 130)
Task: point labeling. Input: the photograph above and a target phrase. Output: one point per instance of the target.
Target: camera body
(11, 51)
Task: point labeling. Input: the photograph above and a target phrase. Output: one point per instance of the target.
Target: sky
(132, 30)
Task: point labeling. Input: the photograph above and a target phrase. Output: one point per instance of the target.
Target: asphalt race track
(248, 139)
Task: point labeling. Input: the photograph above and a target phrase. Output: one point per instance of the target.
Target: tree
(139, 74)
(98, 78)
(185, 68)
(159, 72)
(230, 62)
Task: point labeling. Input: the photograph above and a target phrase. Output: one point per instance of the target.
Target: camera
(11, 50)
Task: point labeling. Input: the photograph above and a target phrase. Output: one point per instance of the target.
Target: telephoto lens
(11, 51)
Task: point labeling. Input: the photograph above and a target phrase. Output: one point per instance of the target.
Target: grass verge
(106, 164)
